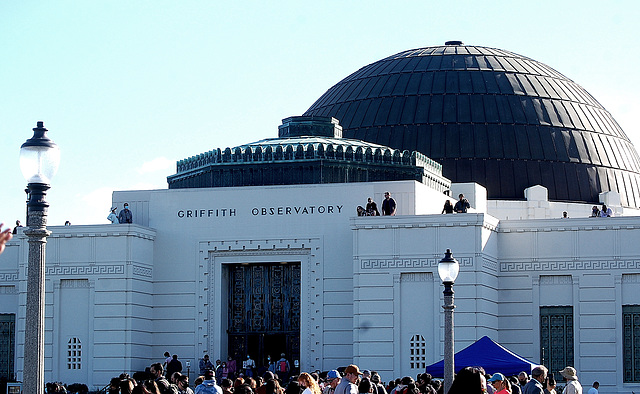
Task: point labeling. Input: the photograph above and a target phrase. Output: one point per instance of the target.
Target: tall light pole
(39, 159)
(448, 269)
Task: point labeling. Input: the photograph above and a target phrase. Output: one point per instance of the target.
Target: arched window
(417, 352)
(74, 354)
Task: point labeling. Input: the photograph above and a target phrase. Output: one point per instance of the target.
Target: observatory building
(258, 249)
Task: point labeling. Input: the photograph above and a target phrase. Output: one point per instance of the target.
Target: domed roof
(489, 116)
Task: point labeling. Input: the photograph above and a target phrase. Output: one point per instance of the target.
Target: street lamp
(448, 269)
(39, 159)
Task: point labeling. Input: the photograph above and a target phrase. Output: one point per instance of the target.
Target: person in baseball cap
(333, 378)
(500, 383)
(348, 383)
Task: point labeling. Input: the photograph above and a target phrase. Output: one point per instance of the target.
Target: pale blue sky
(127, 88)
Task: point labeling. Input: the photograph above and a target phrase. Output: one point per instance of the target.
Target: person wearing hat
(573, 386)
(500, 383)
(333, 378)
(348, 383)
(112, 216)
(535, 385)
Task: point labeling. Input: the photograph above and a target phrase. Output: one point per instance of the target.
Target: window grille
(417, 352)
(7, 345)
(74, 354)
(556, 337)
(631, 342)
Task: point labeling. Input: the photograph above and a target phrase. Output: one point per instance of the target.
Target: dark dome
(489, 116)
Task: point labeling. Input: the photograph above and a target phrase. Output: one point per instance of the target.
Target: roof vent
(454, 43)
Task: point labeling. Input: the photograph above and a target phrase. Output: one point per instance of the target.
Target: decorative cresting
(308, 148)
(306, 143)
(489, 116)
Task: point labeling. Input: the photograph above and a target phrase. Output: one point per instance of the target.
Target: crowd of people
(278, 379)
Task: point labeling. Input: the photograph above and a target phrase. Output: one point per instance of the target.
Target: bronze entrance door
(264, 311)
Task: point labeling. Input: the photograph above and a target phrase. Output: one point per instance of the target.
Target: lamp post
(39, 159)
(448, 269)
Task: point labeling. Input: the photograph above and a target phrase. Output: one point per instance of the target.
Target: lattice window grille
(556, 337)
(417, 352)
(631, 343)
(74, 353)
(7, 345)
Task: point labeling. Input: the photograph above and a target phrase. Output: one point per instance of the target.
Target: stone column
(449, 367)
(33, 370)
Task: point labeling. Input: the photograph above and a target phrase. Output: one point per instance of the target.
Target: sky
(128, 88)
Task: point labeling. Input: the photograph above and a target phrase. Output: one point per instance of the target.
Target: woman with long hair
(273, 387)
(309, 383)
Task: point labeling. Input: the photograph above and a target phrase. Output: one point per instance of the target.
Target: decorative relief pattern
(9, 276)
(142, 271)
(261, 252)
(86, 270)
(8, 290)
(74, 283)
(630, 278)
(307, 252)
(409, 263)
(417, 277)
(556, 280)
(490, 263)
(569, 265)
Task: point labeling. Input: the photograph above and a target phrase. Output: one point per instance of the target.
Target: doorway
(264, 312)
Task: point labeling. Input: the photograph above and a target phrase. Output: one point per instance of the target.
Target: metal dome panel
(489, 116)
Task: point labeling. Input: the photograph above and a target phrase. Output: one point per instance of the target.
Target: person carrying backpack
(283, 368)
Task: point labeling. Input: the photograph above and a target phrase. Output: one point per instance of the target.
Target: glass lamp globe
(448, 268)
(39, 157)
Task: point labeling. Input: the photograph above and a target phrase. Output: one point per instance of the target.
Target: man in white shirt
(594, 389)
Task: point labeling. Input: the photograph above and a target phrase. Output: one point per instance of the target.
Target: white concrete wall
(111, 265)
(369, 284)
(398, 292)
(584, 263)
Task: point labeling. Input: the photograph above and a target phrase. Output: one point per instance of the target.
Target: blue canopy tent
(486, 354)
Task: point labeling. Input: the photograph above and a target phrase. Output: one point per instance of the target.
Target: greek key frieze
(9, 276)
(569, 265)
(142, 271)
(86, 270)
(407, 263)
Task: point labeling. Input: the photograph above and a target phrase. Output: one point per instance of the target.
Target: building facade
(258, 249)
